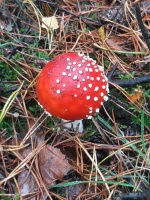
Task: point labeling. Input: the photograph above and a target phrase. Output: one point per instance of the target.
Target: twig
(131, 82)
(141, 25)
(112, 71)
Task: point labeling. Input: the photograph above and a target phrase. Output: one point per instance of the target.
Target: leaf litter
(52, 165)
(110, 149)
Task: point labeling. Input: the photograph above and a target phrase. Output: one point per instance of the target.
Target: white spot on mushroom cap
(68, 67)
(46, 112)
(85, 57)
(90, 70)
(103, 87)
(90, 111)
(64, 85)
(98, 78)
(58, 91)
(103, 80)
(69, 74)
(97, 110)
(88, 97)
(80, 72)
(68, 59)
(86, 69)
(96, 88)
(89, 117)
(106, 78)
(92, 78)
(102, 94)
(90, 85)
(83, 61)
(85, 88)
(90, 108)
(105, 98)
(88, 77)
(101, 68)
(78, 85)
(75, 77)
(64, 73)
(57, 80)
(75, 95)
(83, 79)
(79, 65)
(74, 62)
(95, 98)
(96, 70)
(88, 64)
(74, 69)
(107, 89)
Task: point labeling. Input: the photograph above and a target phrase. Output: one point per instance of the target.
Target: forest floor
(110, 159)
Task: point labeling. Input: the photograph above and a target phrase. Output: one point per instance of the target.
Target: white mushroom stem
(77, 124)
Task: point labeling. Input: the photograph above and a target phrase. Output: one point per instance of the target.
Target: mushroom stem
(77, 124)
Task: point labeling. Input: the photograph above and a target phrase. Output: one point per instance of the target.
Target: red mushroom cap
(72, 86)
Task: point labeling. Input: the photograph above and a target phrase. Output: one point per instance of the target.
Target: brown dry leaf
(26, 182)
(52, 164)
(73, 192)
(114, 45)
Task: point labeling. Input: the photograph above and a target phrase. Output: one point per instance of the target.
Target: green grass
(71, 183)
(8, 103)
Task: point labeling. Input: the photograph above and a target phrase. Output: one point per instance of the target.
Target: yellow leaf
(49, 23)
(101, 32)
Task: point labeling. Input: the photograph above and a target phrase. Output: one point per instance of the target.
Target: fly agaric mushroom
(72, 87)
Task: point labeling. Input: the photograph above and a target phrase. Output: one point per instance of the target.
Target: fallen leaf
(26, 182)
(114, 45)
(49, 23)
(101, 32)
(137, 96)
(52, 164)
